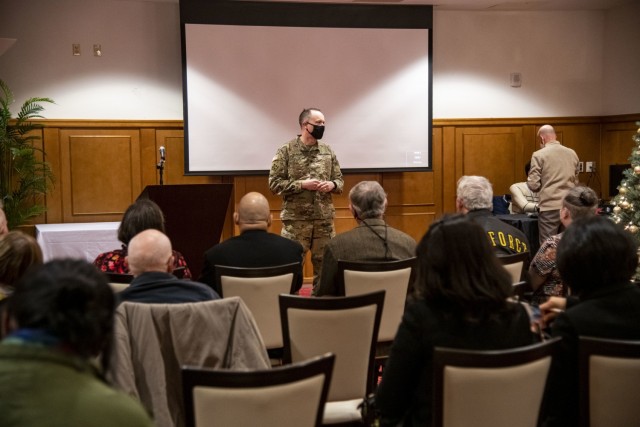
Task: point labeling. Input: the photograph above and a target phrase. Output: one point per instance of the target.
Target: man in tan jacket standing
(554, 170)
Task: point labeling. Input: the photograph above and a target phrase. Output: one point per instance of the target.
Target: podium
(194, 217)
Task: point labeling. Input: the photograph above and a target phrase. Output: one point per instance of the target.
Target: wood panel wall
(102, 166)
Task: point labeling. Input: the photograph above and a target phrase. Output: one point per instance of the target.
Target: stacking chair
(517, 265)
(393, 277)
(490, 388)
(344, 326)
(291, 395)
(609, 382)
(120, 281)
(259, 289)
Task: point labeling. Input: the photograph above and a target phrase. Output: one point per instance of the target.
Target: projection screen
(249, 68)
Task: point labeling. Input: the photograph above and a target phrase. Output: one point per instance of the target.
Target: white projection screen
(249, 68)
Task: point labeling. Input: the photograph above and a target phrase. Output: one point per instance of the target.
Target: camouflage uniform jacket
(295, 162)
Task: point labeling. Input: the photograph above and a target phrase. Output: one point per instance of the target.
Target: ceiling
(487, 5)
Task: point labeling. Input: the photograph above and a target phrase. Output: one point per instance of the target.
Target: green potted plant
(24, 176)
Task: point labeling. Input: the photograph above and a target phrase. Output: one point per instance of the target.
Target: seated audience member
(151, 262)
(3, 223)
(63, 318)
(543, 273)
(371, 240)
(455, 307)
(255, 246)
(474, 199)
(597, 260)
(18, 252)
(142, 215)
(523, 200)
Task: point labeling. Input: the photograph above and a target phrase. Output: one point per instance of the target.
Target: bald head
(149, 250)
(546, 134)
(253, 212)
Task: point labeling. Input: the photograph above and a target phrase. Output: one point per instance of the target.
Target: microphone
(162, 153)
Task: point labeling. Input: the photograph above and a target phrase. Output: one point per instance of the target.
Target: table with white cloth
(84, 240)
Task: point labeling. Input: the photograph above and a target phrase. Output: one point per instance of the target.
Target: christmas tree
(626, 210)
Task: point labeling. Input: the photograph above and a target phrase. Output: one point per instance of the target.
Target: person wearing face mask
(305, 172)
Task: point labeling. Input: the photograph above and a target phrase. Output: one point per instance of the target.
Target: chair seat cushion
(342, 411)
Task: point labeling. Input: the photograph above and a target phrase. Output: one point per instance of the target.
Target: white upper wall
(573, 63)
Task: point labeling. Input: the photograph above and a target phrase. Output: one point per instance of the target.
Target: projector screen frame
(320, 15)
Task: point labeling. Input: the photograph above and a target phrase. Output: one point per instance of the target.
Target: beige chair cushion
(222, 407)
(614, 387)
(508, 397)
(395, 284)
(341, 412)
(260, 294)
(345, 333)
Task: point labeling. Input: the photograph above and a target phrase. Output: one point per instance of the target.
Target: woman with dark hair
(597, 260)
(142, 215)
(579, 202)
(462, 302)
(62, 314)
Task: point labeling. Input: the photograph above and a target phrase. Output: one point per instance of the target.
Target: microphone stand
(160, 167)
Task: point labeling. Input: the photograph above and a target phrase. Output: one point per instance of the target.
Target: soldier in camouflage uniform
(305, 171)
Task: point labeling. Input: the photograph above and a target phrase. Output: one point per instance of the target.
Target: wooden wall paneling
(450, 164)
(616, 147)
(585, 140)
(53, 200)
(411, 201)
(99, 173)
(492, 152)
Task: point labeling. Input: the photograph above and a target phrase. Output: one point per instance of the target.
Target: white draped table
(85, 240)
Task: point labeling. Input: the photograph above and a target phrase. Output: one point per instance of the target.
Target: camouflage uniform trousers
(312, 235)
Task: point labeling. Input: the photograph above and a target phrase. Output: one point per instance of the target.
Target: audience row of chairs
(479, 388)
(326, 390)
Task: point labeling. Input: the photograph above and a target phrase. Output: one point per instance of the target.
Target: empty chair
(289, 395)
(344, 326)
(609, 382)
(393, 277)
(517, 265)
(259, 289)
(490, 388)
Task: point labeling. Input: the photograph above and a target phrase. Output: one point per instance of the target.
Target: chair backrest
(517, 265)
(609, 382)
(522, 291)
(259, 289)
(152, 341)
(344, 326)
(393, 277)
(490, 388)
(289, 395)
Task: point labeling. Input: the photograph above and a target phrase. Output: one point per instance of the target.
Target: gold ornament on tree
(636, 170)
(616, 210)
(624, 205)
(633, 229)
(622, 190)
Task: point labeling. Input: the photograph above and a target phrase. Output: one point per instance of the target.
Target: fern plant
(24, 177)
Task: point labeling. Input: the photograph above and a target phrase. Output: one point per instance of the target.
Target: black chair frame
(443, 357)
(257, 272)
(332, 303)
(373, 266)
(195, 376)
(591, 346)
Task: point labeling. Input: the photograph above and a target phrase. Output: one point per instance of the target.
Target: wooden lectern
(194, 217)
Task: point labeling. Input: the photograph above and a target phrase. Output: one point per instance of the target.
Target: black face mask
(317, 132)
